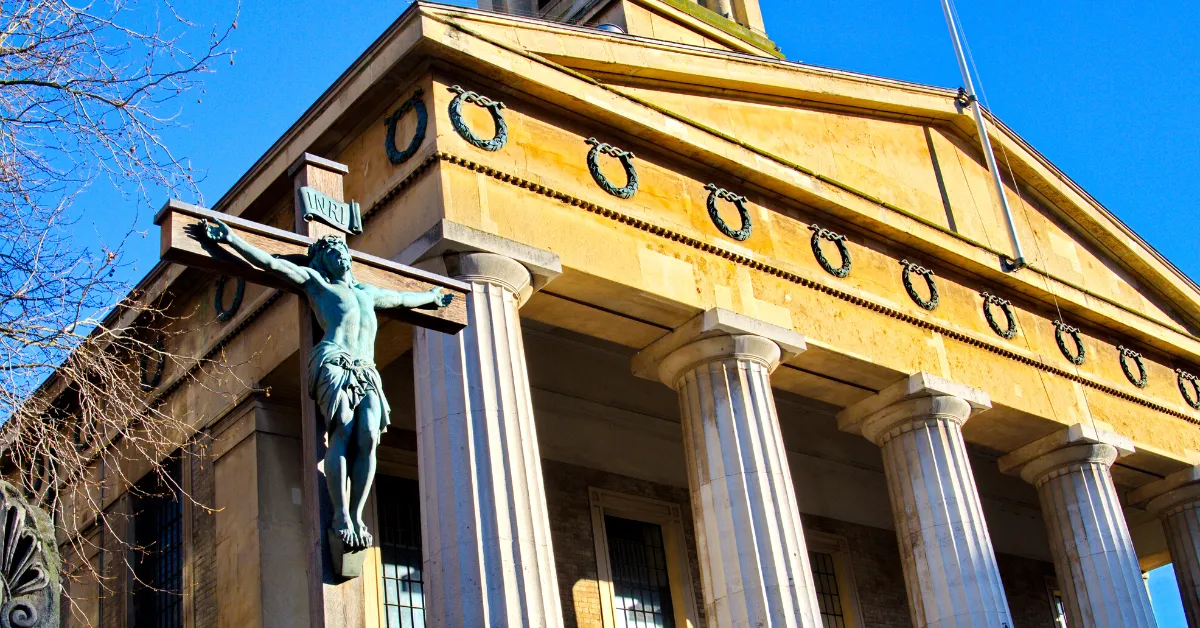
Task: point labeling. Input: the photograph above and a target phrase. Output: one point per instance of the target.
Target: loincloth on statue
(332, 370)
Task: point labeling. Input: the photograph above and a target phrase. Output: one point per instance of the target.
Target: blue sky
(1107, 90)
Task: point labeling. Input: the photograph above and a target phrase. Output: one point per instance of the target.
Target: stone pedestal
(1093, 555)
(1175, 500)
(753, 560)
(949, 565)
(488, 557)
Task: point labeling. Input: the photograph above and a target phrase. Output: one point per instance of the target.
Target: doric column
(488, 557)
(1089, 539)
(753, 561)
(1175, 500)
(949, 566)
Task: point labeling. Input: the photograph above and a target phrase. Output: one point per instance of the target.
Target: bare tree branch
(86, 94)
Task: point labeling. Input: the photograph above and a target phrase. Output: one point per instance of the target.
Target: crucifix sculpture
(343, 290)
(342, 377)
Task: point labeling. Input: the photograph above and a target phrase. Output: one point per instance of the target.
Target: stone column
(753, 561)
(488, 557)
(1089, 539)
(950, 567)
(1175, 500)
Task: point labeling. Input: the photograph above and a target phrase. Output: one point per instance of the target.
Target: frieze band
(839, 241)
(715, 193)
(626, 158)
(1078, 356)
(460, 125)
(414, 103)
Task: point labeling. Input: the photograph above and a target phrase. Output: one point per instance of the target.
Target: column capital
(449, 248)
(1079, 444)
(1161, 496)
(713, 335)
(915, 397)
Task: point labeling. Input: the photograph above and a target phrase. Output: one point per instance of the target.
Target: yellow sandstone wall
(658, 257)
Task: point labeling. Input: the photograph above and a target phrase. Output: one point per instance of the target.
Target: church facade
(743, 349)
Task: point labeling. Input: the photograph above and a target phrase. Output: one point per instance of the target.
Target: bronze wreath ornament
(460, 125)
(1080, 352)
(153, 381)
(1142, 378)
(715, 193)
(414, 103)
(839, 241)
(218, 303)
(1180, 377)
(906, 276)
(626, 158)
(1005, 306)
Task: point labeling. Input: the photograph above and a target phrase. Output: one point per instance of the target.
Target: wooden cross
(333, 601)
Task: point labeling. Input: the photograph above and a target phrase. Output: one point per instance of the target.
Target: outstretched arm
(387, 299)
(220, 232)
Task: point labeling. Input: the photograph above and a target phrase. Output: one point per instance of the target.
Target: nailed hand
(216, 230)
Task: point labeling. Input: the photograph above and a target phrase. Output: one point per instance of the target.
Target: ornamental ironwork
(839, 241)
(1061, 328)
(414, 103)
(1183, 378)
(906, 275)
(460, 125)
(1126, 355)
(626, 158)
(738, 201)
(239, 291)
(1005, 306)
(150, 382)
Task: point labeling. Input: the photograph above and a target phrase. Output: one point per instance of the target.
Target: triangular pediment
(910, 149)
(896, 159)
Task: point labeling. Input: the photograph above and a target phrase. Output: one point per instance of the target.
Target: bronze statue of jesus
(342, 377)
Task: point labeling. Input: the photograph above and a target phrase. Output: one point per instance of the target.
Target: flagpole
(977, 109)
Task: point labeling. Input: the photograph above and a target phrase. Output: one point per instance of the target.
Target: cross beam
(183, 243)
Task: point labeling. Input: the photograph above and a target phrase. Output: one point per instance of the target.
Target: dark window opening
(829, 600)
(158, 549)
(641, 590)
(399, 503)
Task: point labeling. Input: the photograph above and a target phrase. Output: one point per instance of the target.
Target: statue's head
(329, 256)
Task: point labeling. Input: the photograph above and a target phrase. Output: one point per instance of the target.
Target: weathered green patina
(346, 217)
(342, 377)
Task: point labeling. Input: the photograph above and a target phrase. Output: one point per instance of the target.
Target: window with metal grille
(641, 590)
(399, 506)
(829, 600)
(158, 550)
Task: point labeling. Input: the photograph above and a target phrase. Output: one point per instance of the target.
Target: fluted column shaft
(1093, 555)
(753, 561)
(1181, 523)
(488, 556)
(950, 567)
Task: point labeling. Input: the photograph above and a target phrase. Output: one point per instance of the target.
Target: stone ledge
(714, 322)
(309, 159)
(450, 237)
(1143, 495)
(919, 384)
